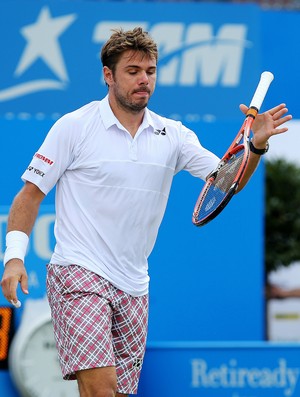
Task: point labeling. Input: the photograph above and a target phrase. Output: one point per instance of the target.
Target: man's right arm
(22, 216)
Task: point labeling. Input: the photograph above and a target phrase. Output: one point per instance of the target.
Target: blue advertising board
(257, 369)
(211, 56)
(281, 54)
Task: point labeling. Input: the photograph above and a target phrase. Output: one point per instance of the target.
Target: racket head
(222, 184)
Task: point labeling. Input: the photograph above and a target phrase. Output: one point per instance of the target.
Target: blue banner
(221, 370)
(209, 56)
(203, 286)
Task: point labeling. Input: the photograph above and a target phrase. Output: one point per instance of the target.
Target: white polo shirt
(112, 189)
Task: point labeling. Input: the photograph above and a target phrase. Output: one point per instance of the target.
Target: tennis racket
(223, 182)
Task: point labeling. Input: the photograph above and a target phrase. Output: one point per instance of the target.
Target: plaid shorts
(97, 325)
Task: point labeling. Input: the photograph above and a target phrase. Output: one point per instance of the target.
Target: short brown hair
(121, 41)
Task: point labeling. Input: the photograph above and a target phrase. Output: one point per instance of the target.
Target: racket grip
(266, 79)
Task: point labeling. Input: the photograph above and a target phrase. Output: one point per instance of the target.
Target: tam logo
(191, 54)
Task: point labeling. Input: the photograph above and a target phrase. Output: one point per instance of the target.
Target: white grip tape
(266, 79)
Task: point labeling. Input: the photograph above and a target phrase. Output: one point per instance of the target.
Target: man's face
(133, 81)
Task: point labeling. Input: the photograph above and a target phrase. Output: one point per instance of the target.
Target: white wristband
(16, 246)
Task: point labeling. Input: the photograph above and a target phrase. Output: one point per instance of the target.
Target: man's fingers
(24, 284)
(277, 108)
(16, 303)
(243, 108)
(9, 287)
(9, 284)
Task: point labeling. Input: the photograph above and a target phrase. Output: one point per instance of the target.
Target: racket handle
(266, 79)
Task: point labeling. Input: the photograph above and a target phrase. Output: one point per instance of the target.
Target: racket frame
(244, 133)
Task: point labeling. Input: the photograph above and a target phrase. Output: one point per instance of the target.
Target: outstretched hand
(267, 124)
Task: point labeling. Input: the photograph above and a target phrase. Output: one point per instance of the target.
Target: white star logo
(42, 42)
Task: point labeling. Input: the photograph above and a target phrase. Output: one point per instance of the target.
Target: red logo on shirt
(43, 158)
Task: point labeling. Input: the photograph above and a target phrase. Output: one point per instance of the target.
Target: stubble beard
(129, 105)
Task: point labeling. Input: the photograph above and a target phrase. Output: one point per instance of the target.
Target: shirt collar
(109, 119)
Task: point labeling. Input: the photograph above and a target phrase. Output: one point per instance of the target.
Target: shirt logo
(43, 158)
(36, 171)
(160, 132)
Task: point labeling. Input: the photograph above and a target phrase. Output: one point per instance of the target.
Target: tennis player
(112, 162)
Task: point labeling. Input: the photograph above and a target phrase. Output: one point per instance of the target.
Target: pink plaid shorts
(97, 325)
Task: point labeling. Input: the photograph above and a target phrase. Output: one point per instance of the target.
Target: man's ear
(108, 75)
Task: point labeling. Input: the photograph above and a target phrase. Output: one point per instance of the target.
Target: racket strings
(228, 172)
(221, 187)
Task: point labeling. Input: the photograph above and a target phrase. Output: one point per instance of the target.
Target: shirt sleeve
(194, 158)
(54, 156)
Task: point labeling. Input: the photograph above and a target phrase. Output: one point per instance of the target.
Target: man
(112, 162)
